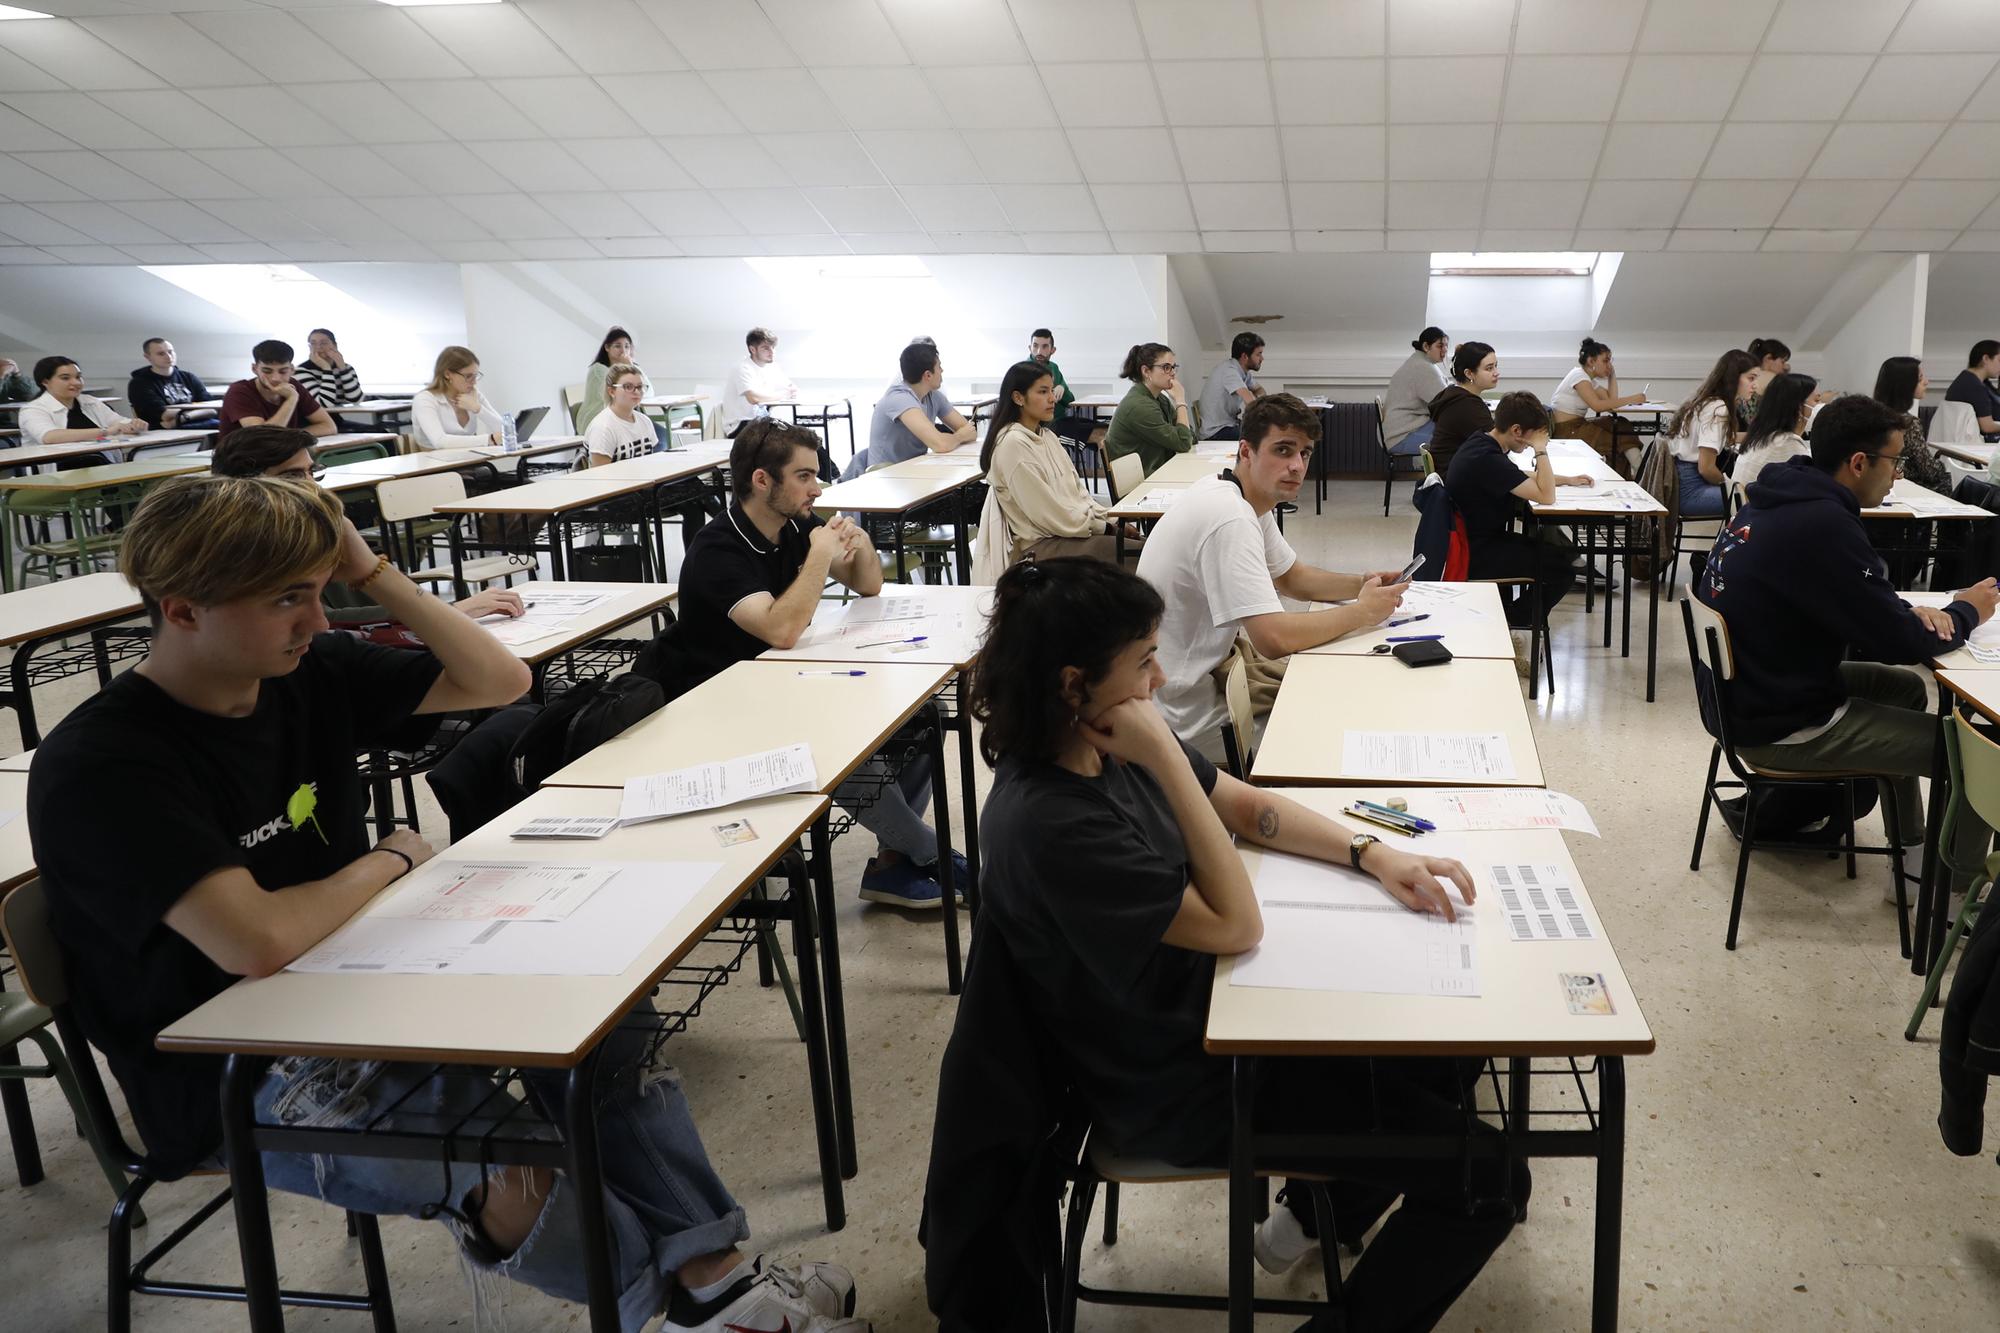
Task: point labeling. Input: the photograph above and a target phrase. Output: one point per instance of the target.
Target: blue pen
(829, 673)
(1419, 821)
(1407, 620)
(887, 642)
(1412, 638)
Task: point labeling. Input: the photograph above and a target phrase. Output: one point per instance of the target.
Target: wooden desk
(18, 763)
(46, 612)
(1907, 500)
(1977, 454)
(1185, 469)
(371, 407)
(529, 449)
(560, 500)
(962, 463)
(900, 500)
(113, 447)
(820, 414)
(110, 474)
(1485, 635)
(629, 602)
(17, 849)
(970, 601)
(418, 465)
(1958, 659)
(1322, 698)
(350, 439)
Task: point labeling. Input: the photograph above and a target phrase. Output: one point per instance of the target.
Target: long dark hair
(603, 357)
(1720, 386)
(1020, 378)
(46, 368)
(1466, 360)
(1143, 356)
(1778, 412)
(1896, 382)
(1049, 614)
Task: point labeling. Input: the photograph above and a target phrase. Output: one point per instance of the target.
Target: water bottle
(510, 442)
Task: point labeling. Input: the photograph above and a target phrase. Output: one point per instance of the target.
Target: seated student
(1110, 874)
(1047, 511)
(616, 349)
(452, 411)
(1231, 387)
(1778, 430)
(1406, 404)
(756, 381)
(1490, 491)
(160, 390)
(325, 373)
(906, 422)
(1458, 412)
(256, 849)
(1704, 426)
(1586, 403)
(285, 453)
(65, 414)
(751, 581)
(1971, 387)
(1220, 562)
(14, 386)
(271, 397)
(1152, 419)
(1900, 385)
(1067, 425)
(620, 431)
(1803, 592)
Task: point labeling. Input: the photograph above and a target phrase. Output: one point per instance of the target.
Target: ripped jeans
(664, 1203)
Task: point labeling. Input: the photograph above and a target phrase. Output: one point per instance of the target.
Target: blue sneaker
(901, 884)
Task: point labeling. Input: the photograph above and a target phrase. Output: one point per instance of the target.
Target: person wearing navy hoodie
(1794, 576)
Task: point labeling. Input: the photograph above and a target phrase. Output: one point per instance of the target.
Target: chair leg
(118, 1256)
(1743, 863)
(1110, 1212)
(376, 1270)
(58, 1062)
(1847, 792)
(1329, 1255)
(20, 1126)
(1707, 795)
(1892, 824)
(1968, 912)
(1081, 1191)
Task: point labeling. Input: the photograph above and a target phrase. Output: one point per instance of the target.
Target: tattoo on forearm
(1267, 822)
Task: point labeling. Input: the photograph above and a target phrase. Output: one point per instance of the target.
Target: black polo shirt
(728, 561)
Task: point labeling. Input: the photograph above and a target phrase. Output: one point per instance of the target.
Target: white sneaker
(1281, 1242)
(814, 1298)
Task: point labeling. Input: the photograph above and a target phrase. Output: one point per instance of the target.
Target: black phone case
(1429, 652)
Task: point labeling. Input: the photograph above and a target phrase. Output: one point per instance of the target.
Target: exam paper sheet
(1467, 756)
(1330, 928)
(492, 891)
(1539, 902)
(711, 786)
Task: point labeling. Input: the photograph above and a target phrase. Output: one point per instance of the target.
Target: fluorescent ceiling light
(15, 12)
(1514, 263)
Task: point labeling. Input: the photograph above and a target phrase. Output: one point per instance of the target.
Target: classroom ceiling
(196, 131)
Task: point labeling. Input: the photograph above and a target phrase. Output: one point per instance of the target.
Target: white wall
(1889, 321)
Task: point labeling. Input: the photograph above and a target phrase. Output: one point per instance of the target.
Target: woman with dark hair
(1111, 879)
(615, 350)
(1777, 432)
(1034, 489)
(1585, 406)
(1458, 411)
(1900, 385)
(65, 414)
(1152, 421)
(326, 373)
(1703, 427)
(1406, 404)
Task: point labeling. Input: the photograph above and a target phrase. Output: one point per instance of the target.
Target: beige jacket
(1039, 491)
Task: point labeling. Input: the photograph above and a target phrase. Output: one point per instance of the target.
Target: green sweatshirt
(1065, 397)
(1145, 424)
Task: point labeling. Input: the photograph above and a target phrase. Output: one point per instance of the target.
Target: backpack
(577, 722)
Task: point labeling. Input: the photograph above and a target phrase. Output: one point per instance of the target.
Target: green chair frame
(1973, 761)
(21, 1019)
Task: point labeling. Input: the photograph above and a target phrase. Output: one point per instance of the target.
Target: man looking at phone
(1220, 563)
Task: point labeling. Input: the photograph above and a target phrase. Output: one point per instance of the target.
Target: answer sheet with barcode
(1539, 902)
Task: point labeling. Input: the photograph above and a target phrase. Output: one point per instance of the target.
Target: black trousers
(1513, 555)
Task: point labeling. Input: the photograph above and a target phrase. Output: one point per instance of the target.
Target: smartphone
(1409, 569)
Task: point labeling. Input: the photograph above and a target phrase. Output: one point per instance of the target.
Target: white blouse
(1708, 428)
(45, 414)
(433, 418)
(1568, 400)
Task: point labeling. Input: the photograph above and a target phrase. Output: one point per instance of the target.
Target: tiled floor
(1783, 1170)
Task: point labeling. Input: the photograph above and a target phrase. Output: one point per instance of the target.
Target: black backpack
(579, 721)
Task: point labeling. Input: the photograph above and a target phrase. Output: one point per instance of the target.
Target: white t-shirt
(1568, 400)
(614, 440)
(764, 381)
(1708, 428)
(1213, 562)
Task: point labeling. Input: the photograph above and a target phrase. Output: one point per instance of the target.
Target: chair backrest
(1701, 619)
(402, 499)
(1975, 769)
(1954, 423)
(38, 961)
(572, 401)
(353, 453)
(526, 420)
(710, 413)
(1126, 472)
(1242, 721)
(1381, 436)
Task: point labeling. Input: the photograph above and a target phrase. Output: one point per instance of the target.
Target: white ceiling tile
(1782, 87)
(1952, 204)
(1805, 240)
(1247, 153)
(19, 179)
(714, 36)
(465, 109)
(1091, 95)
(22, 254)
(1202, 29)
(1406, 240)
(1316, 28)
(1080, 30)
(1920, 87)
(179, 221)
(1344, 206)
(881, 99)
(1893, 239)
(1067, 242)
(569, 108)
(1535, 203)
(1051, 208)
(1705, 25)
(87, 254)
(1947, 25)
(828, 158)
(968, 209)
(551, 248)
(1447, 27)
(1635, 204)
(981, 28)
(1433, 204)
(368, 111)
(349, 221)
(1246, 242)
(993, 97)
(1547, 152)
(1525, 238)
(1713, 239)
(1330, 92)
(1735, 203)
(1988, 220)
(1578, 26)
(635, 247)
(624, 164)
(248, 252)
(1563, 88)
(772, 210)
(95, 175)
(1335, 152)
(1156, 242)
(1240, 207)
(724, 160)
(1832, 205)
(892, 243)
(82, 120)
(1981, 242)
(603, 36)
(921, 157)
(353, 170)
(533, 166)
(495, 42)
(1440, 152)
(514, 217)
(1874, 152)
(270, 115)
(264, 220)
(817, 243)
(430, 219)
(1144, 207)
(1126, 156)
(1678, 87)
(33, 227)
(978, 243)
(19, 133)
(66, 52)
(1638, 150)
(683, 212)
(179, 119)
(670, 103)
(1336, 242)
(448, 169)
(179, 174)
(773, 100)
(386, 43)
(18, 75)
(1215, 92)
(265, 171)
(1761, 150)
(1642, 240)
(862, 208)
(1985, 104)
(268, 40)
(1417, 93)
(837, 32)
(1963, 152)
(164, 42)
(1832, 25)
(1022, 156)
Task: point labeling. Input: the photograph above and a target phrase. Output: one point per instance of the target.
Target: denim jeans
(893, 810)
(1412, 444)
(663, 1202)
(1700, 497)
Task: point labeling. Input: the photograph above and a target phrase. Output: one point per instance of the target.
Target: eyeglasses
(1168, 366)
(1897, 460)
(469, 376)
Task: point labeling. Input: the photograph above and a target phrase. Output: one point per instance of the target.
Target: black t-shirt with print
(1481, 480)
(135, 798)
(727, 561)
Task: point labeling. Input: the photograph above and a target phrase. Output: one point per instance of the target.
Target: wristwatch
(1358, 846)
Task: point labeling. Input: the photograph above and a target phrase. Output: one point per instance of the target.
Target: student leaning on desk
(1110, 875)
(241, 844)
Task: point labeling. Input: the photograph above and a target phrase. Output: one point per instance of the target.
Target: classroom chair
(1441, 540)
(1126, 473)
(1954, 423)
(572, 404)
(21, 1019)
(25, 921)
(350, 453)
(1239, 730)
(1391, 457)
(1708, 645)
(1974, 764)
(412, 502)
